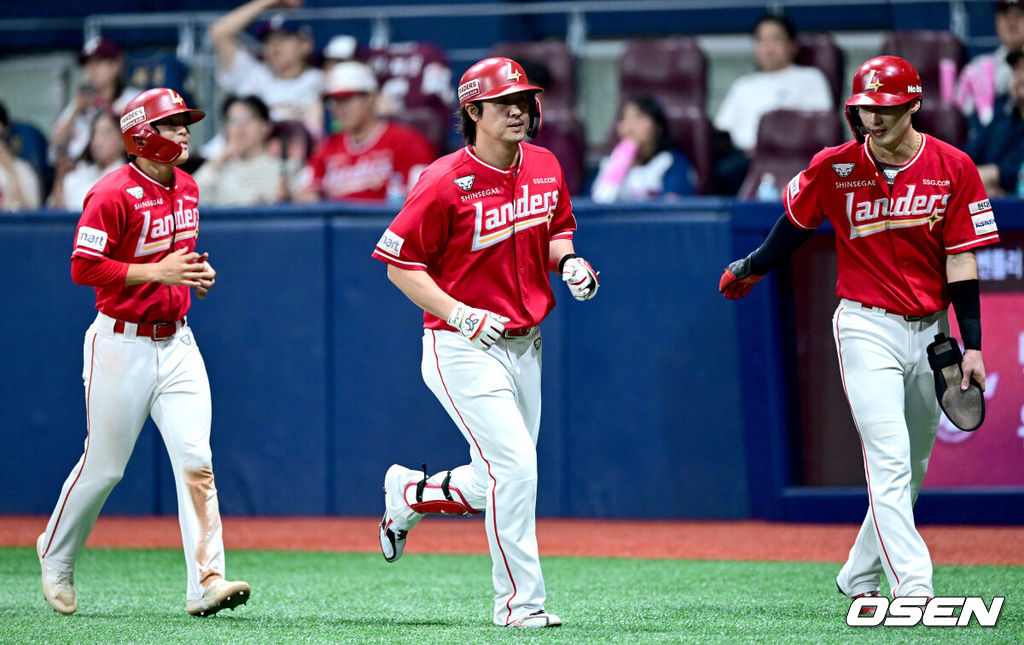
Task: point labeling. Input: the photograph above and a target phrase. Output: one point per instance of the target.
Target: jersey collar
(370, 140)
(917, 155)
(143, 175)
(505, 171)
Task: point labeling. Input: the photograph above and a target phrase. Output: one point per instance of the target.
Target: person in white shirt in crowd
(103, 88)
(284, 79)
(777, 84)
(20, 188)
(104, 154)
(245, 172)
(986, 77)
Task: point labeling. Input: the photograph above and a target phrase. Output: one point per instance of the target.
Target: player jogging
(472, 246)
(135, 244)
(907, 209)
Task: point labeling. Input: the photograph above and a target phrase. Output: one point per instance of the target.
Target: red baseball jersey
(342, 169)
(891, 245)
(483, 233)
(130, 217)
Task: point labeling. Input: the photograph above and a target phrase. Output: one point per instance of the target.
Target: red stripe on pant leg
(494, 501)
(88, 429)
(863, 450)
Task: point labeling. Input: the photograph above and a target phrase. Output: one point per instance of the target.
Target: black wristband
(567, 256)
(966, 298)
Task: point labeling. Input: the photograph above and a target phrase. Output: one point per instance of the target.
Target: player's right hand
(180, 268)
(737, 279)
(480, 326)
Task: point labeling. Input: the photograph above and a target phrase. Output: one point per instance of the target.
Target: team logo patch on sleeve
(391, 243)
(134, 191)
(794, 185)
(843, 169)
(466, 182)
(984, 223)
(979, 207)
(91, 238)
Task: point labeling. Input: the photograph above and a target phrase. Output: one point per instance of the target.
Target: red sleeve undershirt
(98, 273)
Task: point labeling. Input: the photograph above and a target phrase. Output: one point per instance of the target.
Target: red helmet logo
(140, 137)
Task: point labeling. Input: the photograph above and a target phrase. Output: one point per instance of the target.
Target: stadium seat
(925, 49)
(691, 133)
(562, 133)
(558, 63)
(820, 50)
(29, 143)
(673, 68)
(415, 76)
(943, 121)
(786, 141)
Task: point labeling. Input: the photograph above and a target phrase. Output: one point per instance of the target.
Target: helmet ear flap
(535, 118)
(853, 118)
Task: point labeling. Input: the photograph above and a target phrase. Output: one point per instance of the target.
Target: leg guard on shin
(427, 497)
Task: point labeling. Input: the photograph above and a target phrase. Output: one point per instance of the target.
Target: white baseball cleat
(58, 586)
(537, 619)
(222, 594)
(398, 518)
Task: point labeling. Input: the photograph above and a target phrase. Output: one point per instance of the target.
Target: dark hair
(781, 21)
(254, 102)
(650, 106)
(466, 125)
(4, 120)
(86, 155)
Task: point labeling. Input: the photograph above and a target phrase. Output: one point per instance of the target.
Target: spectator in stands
(644, 164)
(777, 84)
(284, 80)
(20, 187)
(369, 158)
(102, 89)
(987, 76)
(245, 172)
(998, 148)
(104, 154)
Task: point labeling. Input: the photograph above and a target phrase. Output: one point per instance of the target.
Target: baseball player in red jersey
(135, 244)
(370, 159)
(472, 246)
(908, 210)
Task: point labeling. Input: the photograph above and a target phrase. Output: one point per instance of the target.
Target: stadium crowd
(357, 123)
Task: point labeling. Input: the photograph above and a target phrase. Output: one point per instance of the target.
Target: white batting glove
(480, 326)
(580, 277)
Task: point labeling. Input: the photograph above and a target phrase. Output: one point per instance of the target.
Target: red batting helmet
(495, 77)
(140, 137)
(884, 80)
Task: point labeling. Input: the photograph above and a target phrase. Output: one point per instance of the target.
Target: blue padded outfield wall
(656, 405)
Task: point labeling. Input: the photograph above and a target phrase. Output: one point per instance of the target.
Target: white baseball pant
(128, 378)
(493, 396)
(891, 390)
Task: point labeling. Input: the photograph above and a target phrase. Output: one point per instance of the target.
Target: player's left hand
(973, 367)
(580, 277)
(207, 278)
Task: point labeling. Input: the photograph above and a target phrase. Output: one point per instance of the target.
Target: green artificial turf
(138, 596)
